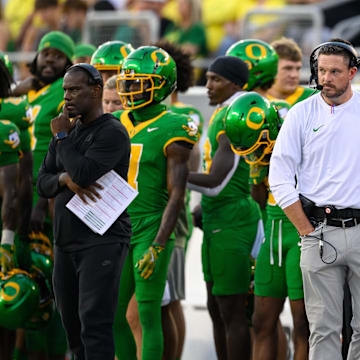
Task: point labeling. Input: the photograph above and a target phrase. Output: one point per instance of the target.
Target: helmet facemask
(137, 90)
(260, 152)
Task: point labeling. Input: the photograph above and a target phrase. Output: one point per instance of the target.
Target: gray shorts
(175, 282)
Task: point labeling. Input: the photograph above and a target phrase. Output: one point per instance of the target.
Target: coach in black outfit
(87, 265)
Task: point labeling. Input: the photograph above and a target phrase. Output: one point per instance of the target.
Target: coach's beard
(336, 94)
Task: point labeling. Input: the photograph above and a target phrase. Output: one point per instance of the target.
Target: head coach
(319, 144)
(87, 266)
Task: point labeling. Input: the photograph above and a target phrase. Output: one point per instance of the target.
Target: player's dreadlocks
(184, 69)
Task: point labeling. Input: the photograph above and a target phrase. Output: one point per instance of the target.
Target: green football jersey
(9, 143)
(301, 93)
(44, 105)
(14, 109)
(189, 110)
(225, 209)
(148, 161)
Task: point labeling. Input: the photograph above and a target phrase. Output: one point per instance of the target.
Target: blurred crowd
(203, 28)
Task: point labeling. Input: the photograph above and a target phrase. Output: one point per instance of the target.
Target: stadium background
(309, 22)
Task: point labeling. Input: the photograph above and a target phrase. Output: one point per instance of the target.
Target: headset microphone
(319, 87)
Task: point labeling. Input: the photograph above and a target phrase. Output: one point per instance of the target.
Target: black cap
(231, 68)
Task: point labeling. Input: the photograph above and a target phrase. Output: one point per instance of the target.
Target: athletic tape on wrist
(7, 237)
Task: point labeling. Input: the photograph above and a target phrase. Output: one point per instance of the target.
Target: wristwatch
(61, 135)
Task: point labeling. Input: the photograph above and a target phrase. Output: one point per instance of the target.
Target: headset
(91, 71)
(354, 60)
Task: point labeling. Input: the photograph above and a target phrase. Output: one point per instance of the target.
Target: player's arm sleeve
(109, 147)
(286, 158)
(48, 178)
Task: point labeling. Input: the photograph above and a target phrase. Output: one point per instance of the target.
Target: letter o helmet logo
(255, 51)
(12, 293)
(254, 115)
(160, 57)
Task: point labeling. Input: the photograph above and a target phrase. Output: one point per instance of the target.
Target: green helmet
(7, 62)
(148, 75)
(19, 298)
(261, 59)
(44, 310)
(41, 254)
(111, 55)
(252, 125)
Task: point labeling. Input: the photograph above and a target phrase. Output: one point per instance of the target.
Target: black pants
(86, 285)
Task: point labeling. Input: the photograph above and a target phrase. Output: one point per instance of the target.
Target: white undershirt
(229, 100)
(320, 144)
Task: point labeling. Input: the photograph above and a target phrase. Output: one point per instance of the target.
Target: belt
(336, 217)
(343, 222)
(331, 212)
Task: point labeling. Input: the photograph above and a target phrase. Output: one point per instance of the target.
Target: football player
(277, 274)
(286, 86)
(263, 64)
(109, 57)
(173, 320)
(15, 185)
(229, 215)
(9, 158)
(83, 53)
(161, 142)
(9, 170)
(262, 61)
(45, 97)
(14, 109)
(111, 101)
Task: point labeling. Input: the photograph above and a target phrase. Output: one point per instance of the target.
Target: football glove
(146, 265)
(6, 258)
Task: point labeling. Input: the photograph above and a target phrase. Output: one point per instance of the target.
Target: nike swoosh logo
(315, 130)
(152, 129)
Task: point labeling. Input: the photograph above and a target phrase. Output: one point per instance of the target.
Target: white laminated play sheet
(116, 196)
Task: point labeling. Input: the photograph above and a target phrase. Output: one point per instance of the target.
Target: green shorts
(145, 289)
(153, 288)
(277, 272)
(226, 258)
(144, 229)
